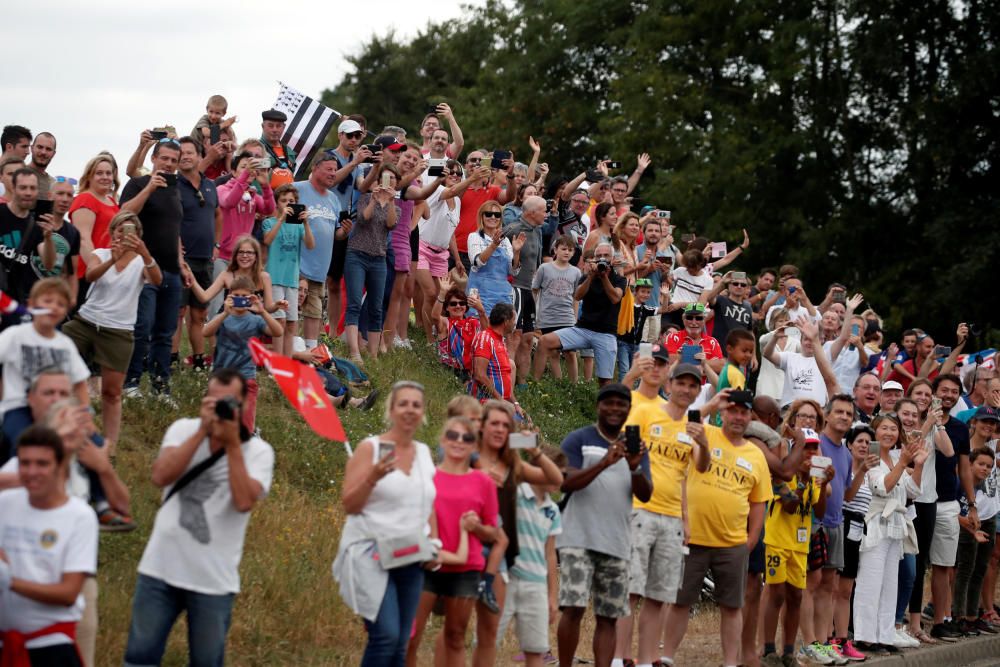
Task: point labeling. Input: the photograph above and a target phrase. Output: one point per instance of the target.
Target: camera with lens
(603, 266)
(226, 408)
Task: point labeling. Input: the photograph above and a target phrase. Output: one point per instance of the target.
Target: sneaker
(848, 650)
(111, 521)
(549, 659)
(956, 627)
(486, 596)
(985, 626)
(941, 632)
(870, 648)
(904, 640)
(815, 653)
(166, 399)
(833, 651)
(132, 392)
(928, 613)
(403, 343)
(968, 628)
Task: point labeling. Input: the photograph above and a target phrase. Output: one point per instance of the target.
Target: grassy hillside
(289, 611)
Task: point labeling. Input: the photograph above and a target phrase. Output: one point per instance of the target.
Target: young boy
(739, 352)
(284, 236)
(786, 539)
(533, 590)
(628, 343)
(553, 287)
(215, 109)
(27, 349)
(243, 317)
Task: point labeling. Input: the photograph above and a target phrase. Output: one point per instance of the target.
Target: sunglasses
(738, 284)
(492, 214)
(168, 140)
(354, 135)
(473, 160)
(455, 436)
(456, 304)
(698, 318)
(64, 179)
(201, 198)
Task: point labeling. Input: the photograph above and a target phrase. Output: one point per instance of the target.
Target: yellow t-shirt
(638, 399)
(791, 531)
(668, 459)
(719, 498)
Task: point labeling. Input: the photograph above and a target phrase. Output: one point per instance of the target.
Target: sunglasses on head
(168, 140)
(492, 214)
(455, 436)
(65, 179)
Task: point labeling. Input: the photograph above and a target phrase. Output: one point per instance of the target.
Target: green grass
(289, 611)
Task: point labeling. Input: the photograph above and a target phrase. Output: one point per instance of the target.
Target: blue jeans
(156, 321)
(907, 574)
(365, 276)
(625, 353)
(155, 608)
(390, 633)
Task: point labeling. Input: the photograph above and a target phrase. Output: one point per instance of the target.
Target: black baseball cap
(614, 389)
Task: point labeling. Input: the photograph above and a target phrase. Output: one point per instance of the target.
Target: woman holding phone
(494, 258)
(891, 482)
(364, 267)
(507, 470)
(465, 500)
(93, 208)
(388, 491)
(102, 328)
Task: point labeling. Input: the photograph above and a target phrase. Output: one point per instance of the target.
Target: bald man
(528, 225)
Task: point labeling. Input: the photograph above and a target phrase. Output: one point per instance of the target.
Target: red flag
(302, 386)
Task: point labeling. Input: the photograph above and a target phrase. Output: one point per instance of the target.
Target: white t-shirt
(771, 379)
(77, 482)
(113, 300)
(802, 379)
(847, 365)
(197, 539)
(438, 229)
(687, 288)
(24, 353)
(42, 546)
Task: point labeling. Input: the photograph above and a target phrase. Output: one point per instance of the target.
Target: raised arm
(642, 163)
(732, 254)
(457, 138)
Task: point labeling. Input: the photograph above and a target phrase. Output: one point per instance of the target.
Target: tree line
(854, 138)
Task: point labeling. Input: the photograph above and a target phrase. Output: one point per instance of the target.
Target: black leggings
(924, 524)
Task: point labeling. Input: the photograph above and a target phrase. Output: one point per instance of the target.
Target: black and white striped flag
(308, 124)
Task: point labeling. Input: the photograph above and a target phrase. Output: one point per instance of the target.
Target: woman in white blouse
(886, 530)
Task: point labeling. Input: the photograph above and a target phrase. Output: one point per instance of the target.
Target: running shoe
(815, 653)
(848, 650)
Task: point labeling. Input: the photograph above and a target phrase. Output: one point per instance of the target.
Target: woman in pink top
(94, 207)
(241, 204)
(466, 500)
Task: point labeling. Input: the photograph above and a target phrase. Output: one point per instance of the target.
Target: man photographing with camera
(212, 473)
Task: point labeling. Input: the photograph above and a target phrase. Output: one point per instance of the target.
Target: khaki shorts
(729, 572)
(313, 307)
(527, 603)
(108, 348)
(944, 543)
(657, 562)
(586, 575)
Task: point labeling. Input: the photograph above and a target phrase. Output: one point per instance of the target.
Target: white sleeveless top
(400, 504)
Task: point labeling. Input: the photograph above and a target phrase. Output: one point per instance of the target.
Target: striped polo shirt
(536, 522)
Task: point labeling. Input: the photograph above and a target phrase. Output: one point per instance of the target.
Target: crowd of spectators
(778, 458)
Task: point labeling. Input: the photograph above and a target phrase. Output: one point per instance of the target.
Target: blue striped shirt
(536, 522)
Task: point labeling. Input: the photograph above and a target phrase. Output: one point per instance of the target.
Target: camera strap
(194, 472)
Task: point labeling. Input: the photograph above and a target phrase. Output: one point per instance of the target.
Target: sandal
(923, 637)
(110, 521)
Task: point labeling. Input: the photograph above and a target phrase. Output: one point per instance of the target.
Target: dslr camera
(603, 266)
(226, 408)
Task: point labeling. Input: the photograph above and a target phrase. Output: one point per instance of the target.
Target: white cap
(891, 384)
(349, 126)
(810, 435)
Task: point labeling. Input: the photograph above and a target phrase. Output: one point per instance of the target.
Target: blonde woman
(494, 258)
(94, 207)
(102, 328)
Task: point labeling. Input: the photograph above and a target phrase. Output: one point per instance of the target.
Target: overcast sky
(95, 74)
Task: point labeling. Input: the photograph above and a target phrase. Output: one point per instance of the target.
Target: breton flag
(308, 124)
(301, 385)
